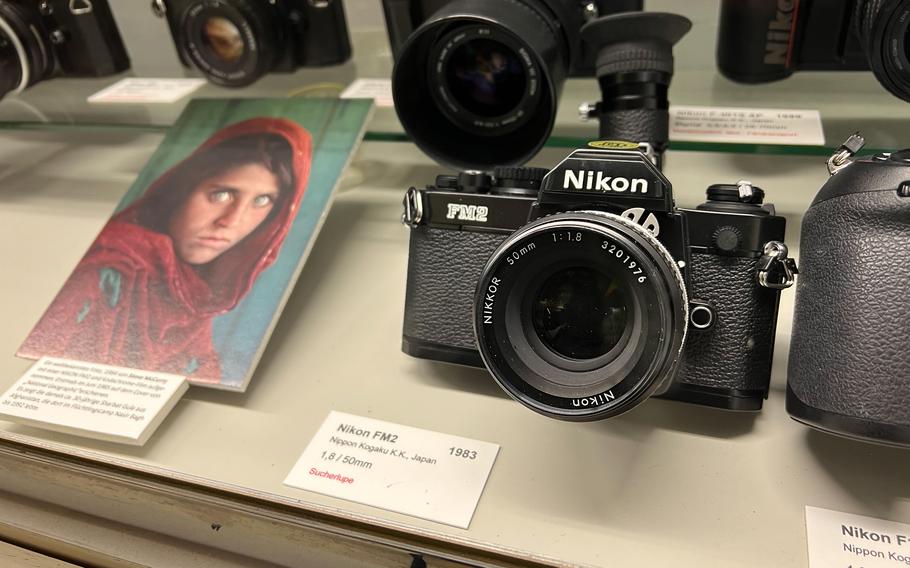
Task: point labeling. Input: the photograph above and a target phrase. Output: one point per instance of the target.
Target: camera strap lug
(80, 7)
(775, 269)
(842, 157)
(413, 208)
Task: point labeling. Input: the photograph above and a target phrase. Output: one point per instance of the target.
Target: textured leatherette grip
(849, 351)
(443, 269)
(637, 125)
(735, 353)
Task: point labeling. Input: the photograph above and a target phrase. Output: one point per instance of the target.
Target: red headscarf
(131, 301)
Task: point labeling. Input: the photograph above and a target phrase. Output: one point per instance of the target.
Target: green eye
(263, 201)
(220, 196)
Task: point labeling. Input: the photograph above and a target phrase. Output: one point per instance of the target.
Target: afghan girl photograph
(158, 288)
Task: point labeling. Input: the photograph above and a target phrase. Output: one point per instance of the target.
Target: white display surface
(666, 484)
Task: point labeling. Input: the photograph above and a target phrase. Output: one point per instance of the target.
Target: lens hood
(446, 130)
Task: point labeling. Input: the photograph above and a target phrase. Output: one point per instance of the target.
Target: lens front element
(581, 315)
(580, 312)
(223, 39)
(486, 77)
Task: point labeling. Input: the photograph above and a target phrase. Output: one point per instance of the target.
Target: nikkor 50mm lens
(581, 315)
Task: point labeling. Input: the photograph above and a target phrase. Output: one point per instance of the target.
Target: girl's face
(221, 211)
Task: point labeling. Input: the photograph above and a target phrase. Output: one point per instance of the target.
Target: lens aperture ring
(613, 369)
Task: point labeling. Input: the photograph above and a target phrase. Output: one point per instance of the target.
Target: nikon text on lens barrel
(584, 290)
(235, 42)
(41, 39)
(476, 82)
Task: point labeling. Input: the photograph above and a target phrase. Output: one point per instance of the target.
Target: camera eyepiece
(634, 70)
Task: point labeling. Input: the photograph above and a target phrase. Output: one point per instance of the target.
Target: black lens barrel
(884, 27)
(449, 142)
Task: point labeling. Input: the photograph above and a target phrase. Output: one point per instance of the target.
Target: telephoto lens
(634, 70)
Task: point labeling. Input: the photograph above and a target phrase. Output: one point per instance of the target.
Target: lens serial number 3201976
(625, 258)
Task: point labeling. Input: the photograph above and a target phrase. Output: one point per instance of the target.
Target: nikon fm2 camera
(584, 290)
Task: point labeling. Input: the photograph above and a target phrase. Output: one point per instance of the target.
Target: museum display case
(665, 483)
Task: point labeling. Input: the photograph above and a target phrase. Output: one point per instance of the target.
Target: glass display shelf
(848, 101)
(665, 484)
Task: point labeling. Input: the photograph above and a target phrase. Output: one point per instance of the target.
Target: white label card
(403, 469)
(842, 540)
(100, 401)
(380, 90)
(746, 125)
(142, 91)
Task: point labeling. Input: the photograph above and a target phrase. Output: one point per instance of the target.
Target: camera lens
(25, 53)
(580, 312)
(481, 69)
(581, 315)
(223, 39)
(486, 77)
(232, 42)
(884, 27)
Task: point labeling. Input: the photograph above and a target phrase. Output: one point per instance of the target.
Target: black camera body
(584, 290)
(849, 369)
(234, 42)
(767, 40)
(40, 40)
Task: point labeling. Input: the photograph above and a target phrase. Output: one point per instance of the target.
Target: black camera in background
(40, 40)
(767, 40)
(235, 42)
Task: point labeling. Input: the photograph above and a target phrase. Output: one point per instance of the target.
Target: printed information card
(842, 540)
(746, 125)
(408, 470)
(134, 90)
(110, 403)
(380, 90)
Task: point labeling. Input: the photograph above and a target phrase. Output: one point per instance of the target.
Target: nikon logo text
(464, 212)
(779, 29)
(596, 181)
